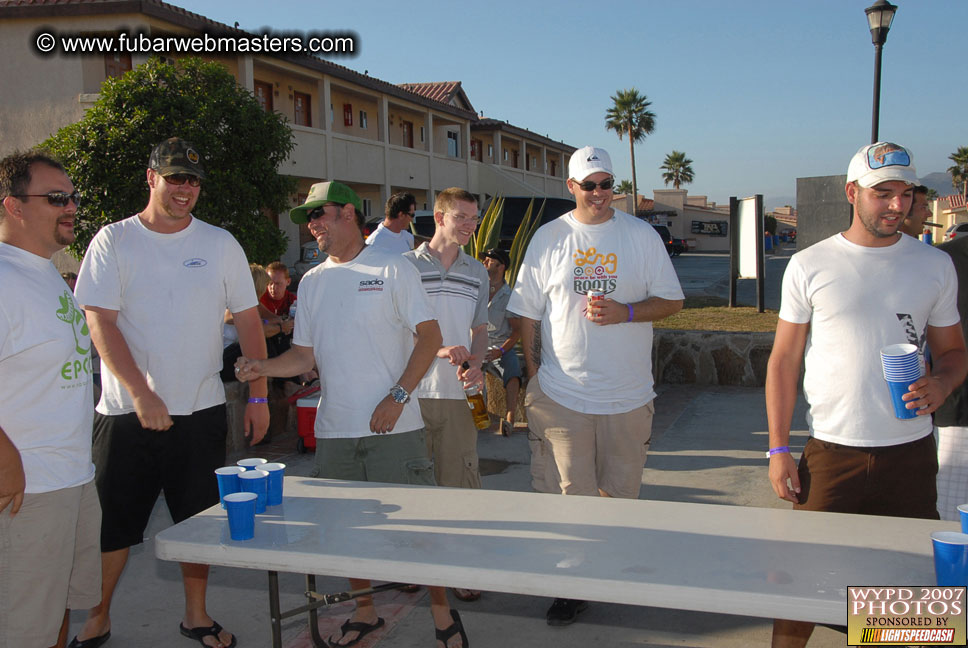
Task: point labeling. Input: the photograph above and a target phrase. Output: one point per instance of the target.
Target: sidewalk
(707, 447)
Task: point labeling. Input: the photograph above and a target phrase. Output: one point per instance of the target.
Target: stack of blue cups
(902, 366)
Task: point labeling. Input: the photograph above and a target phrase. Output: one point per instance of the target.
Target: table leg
(313, 615)
(275, 615)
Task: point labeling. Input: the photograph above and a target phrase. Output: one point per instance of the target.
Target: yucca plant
(488, 233)
(522, 238)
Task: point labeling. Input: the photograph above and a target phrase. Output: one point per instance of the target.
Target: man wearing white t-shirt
(843, 300)
(393, 234)
(368, 428)
(156, 287)
(589, 401)
(49, 514)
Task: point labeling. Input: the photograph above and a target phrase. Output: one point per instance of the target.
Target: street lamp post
(879, 18)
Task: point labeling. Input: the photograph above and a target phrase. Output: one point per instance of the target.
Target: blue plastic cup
(963, 513)
(241, 513)
(274, 490)
(898, 389)
(256, 481)
(228, 481)
(251, 463)
(950, 558)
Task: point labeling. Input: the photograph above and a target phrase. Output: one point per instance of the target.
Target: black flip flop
(362, 629)
(199, 634)
(445, 634)
(93, 642)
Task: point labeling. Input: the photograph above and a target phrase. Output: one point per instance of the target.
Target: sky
(756, 92)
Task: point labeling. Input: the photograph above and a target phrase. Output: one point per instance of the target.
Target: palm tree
(677, 169)
(630, 115)
(624, 187)
(959, 172)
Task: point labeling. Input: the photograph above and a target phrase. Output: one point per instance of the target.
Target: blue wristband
(630, 312)
(777, 450)
(258, 400)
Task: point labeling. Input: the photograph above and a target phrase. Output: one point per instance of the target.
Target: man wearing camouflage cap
(155, 288)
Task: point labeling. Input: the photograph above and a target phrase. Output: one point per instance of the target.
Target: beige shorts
(451, 441)
(50, 561)
(581, 454)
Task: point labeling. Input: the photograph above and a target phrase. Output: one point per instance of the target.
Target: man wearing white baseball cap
(843, 300)
(589, 401)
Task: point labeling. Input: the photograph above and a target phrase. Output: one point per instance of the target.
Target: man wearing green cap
(155, 288)
(368, 428)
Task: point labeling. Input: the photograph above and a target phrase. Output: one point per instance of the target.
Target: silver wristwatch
(400, 395)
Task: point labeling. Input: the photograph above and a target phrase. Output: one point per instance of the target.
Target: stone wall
(710, 357)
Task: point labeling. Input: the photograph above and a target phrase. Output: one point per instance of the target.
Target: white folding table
(773, 563)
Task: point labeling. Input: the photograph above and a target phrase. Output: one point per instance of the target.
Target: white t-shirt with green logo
(586, 367)
(47, 406)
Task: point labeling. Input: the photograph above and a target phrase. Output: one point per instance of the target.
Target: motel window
(453, 146)
(263, 94)
(303, 107)
(362, 119)
(115, 65)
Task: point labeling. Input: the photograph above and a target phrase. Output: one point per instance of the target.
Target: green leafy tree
(677, 169)
(242, 148)
(630, 115)
(624, 187)
(959, 172)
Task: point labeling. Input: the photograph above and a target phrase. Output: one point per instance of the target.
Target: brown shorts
(582, 454)
(50, 560)
(894, 480)
(451, 441)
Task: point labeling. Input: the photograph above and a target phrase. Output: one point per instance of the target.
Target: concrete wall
(822, 209)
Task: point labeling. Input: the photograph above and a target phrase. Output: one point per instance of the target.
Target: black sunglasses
(588, 185)
(55, 198)
(179, 179)
(318, 212)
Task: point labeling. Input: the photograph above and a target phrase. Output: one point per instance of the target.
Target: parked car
(956, 231)
(674, 246)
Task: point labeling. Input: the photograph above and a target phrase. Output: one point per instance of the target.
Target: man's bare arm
(531, 341)
(782, 377)
(12, 478)
(653, 309)
(253, 343)
(115, 353)
(949, 363)
(426, 343)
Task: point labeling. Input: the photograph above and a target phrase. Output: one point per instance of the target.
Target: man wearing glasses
(46, 412)
(367, 428)
(589, 401)
(457, 285)
(155, 287)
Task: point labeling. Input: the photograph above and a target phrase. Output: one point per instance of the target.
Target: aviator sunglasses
(589, 185)
(55, 198)
(179, 179)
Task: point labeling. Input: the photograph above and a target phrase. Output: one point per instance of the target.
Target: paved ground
(707, 447)
(708, 274)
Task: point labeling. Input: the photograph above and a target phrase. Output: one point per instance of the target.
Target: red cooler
(306, 422)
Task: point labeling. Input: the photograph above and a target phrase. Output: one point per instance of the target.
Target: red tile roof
(954, 201)
(446, 92)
